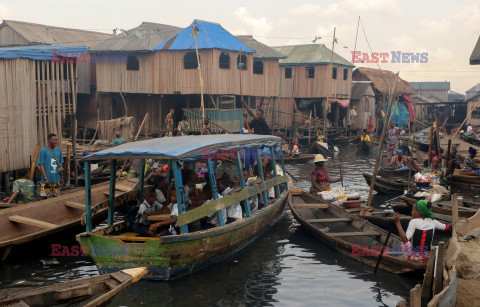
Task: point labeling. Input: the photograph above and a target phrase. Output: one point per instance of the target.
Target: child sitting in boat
(320, 180)
(165, 228)
(271, 191)
(295, 150)
(150, 206)
(420, 231)
(252, 181)
(234, 212)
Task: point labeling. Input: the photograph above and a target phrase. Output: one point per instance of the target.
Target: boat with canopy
(174, 256)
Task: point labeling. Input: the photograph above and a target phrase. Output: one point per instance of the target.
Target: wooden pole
(209, 120)
(325, 107)
(34, 163)
(410, 164)
(449, 156)
(454, 210)
(69, 157)
(430, 145)
(74, 148)
(88, 196)
(202, 102)
(111, 195)
(437, 134)
(241, 93)
(136, 137)
(309, 126)
(382, 139)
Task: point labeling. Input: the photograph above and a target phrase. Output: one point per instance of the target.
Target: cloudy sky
(447, 30)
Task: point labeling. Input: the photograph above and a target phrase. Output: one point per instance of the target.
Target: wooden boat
(350, 234)
(38, 224)
(387, 186)
(395, 173)
(462, 187)
(344, 139)
(366, 146)
(472, 140)
(317, 148)
(300, 159)
(174, 256)
(443, 207)
(87, 292)
(422, 146)
(465, 177)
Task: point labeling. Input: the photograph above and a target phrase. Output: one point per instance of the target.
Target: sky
(447, 30)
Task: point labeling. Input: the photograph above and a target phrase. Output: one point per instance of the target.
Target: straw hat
(319, 158)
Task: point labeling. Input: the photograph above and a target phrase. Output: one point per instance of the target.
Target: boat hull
(300, 159)
(172, 257)
(384, 186)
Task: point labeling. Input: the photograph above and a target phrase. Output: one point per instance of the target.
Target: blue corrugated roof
(192, 147)
(40, 52)
(209, 36)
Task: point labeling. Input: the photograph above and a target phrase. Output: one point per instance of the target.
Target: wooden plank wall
(8, 37)
(317, 87)
(17, 114)
(163, 72)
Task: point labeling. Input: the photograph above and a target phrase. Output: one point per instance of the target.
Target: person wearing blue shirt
(50, 161)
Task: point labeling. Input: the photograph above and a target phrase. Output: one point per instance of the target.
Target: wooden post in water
(88, 196)
(241, 180)
(34, 162)
(202, 102)
(382, 139)
(111, 195)
(74, 149)
(213, 187)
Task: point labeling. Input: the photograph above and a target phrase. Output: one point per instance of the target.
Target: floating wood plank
(159, 217)
(331, 220)
(31, 222)
(311, 206)
(74, 205)
(428, 277)
(64, 294)
(354, 234)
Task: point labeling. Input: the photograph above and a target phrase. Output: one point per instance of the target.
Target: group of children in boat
(161, 197)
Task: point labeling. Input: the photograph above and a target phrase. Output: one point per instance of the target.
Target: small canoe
(344, 139)
(366, 146)
(443, 207)
(387, 186)
(53, 219)
(422, 146)
(92, 291)
(300, 159)
(318, 148)
(465, 177)
(395, 173)
(472, 140)
(350, 234)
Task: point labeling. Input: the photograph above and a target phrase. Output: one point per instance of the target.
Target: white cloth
(254, 199)
(141, 218)
(160, 197)
(423, 224)
(234, 211)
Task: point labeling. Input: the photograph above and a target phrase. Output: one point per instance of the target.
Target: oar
(290, 174)
(381, 252)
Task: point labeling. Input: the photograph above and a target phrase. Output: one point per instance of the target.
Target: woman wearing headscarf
(417, 241)
(469, 164)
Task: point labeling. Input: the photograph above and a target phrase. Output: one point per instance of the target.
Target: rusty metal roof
(262, 51)
(38, 34)
(311, 54)
(145, 37)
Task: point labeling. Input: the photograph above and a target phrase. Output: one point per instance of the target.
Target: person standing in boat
(50, 161)
(320, 180)
(370, 127)
(391, 142)
(258, 123)
(169, 122)
(420, 231)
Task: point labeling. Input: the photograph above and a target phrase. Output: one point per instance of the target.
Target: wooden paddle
(381, 253)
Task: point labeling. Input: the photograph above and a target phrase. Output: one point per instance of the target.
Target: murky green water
(287, 266)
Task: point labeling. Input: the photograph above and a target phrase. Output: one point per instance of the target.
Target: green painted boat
(170, 257)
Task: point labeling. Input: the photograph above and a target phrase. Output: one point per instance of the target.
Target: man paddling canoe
(320, 180)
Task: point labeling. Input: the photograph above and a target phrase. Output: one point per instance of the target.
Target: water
(287, 266)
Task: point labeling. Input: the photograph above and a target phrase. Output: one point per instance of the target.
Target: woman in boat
(469, 164)
(295, 150)
(391, 141)
(420, 231)
(436, 169)
(320, 180)
(399, 160)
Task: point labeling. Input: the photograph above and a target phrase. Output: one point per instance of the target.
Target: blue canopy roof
(209, 36)
(189, 148)
(41, 52)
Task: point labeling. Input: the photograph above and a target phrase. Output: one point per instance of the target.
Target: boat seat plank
(74, 205)
(354, 234)
(120, 277)
(123, 188)
(134, 237)
(331, 220)
(111, 284)
(311, 206)
(81, 290)
(32, 222)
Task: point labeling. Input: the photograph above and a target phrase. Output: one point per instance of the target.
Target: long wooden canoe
(317, 148)
(444, 207)
(174, 256)
(465, 177)
(350, 234)
(366, 146)
(300, 159)
(387, 186)
(394, 173)
(39, 224)
(344, 139)
(87, 292)
(472, 140)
